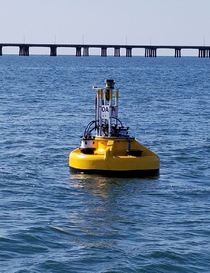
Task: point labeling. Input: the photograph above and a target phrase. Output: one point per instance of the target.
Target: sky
(171, 22)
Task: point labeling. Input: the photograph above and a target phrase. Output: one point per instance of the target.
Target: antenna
(126, 39)
(204, 41)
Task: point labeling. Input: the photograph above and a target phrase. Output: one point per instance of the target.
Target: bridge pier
(128, 51)
(103, 51)
(153, 52)
(177, 53)
(150, 52)
(85, 51)
(200, 53)
(203, 53)
(23, 50)
(0, 50)
(53, 51)
(78, 51)
(117, 51)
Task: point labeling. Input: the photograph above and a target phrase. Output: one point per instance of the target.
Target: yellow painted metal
(115, 154)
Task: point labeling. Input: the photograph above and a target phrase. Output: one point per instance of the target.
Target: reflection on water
(111, 211)
(96, 184)
(104, 186)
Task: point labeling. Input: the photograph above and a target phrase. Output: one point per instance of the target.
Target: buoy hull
(123, 173)
(113, 156)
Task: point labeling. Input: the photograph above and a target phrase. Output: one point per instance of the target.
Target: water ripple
(55, 221)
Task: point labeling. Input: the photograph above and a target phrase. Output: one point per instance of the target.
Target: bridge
(84, 49)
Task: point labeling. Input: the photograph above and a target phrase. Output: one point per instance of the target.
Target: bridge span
(84, 49)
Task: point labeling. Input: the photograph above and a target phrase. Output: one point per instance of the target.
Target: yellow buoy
(111, 150)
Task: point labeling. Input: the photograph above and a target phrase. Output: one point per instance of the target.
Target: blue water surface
(55, 221)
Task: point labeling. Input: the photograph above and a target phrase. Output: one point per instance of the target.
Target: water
(54, 221)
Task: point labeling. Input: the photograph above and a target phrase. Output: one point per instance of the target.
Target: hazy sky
(106, 21)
